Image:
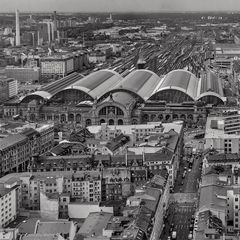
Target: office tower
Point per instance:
(45, 32)
(17, 29)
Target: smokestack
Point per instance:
(52, 31)
(38, 38)
(33, 39)
(49, 32)
(17, 29)
(55, 20)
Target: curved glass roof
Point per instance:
(141, 82)
(51, 89)
(62, 83)
(211, 83)
(181, 80)
(97, 83)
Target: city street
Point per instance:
(184, 198)
(179, 215)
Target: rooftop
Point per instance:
(53, 227)
(95, 223)
(41, 237)
(11, 140)
(216, 130)
(213, 197)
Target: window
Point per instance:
(236, 214)
(236, 207)
(236, 199)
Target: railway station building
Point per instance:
(106, 97)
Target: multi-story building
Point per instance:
(15, 153)
(80, 185)
(8, 88)
(23, 74)
(117, 182)
(222, 132)
(57, 65)
(9, 201)
(17, 150)
(46, 32)
(97, 57)
(87, 186)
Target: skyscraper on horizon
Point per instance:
(17, 29)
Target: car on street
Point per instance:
(169, 238)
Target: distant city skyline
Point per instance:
(119, 5)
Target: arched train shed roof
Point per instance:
(95, 84)
(51, 89)
(211, 86)
(140, 82)
(181, 80)
(98, 83)
(186, 82)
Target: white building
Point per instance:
(223, 133)
(9, 202)
(60, 65)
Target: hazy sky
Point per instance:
(119, 5)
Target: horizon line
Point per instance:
(125, 12)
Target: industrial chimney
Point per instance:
(17, 29)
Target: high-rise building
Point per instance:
(45, 32)
(17, 29)
(8, 88)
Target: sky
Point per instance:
(119, 5)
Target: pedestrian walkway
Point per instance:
(183, 197)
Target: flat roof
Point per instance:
(53, 227)
(216, 133)
(41, 237)
(127, 129)
(95, 223)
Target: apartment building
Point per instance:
(15, 153)
(17, 150)
(8, 88)
(9, 202)
(87, 187)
